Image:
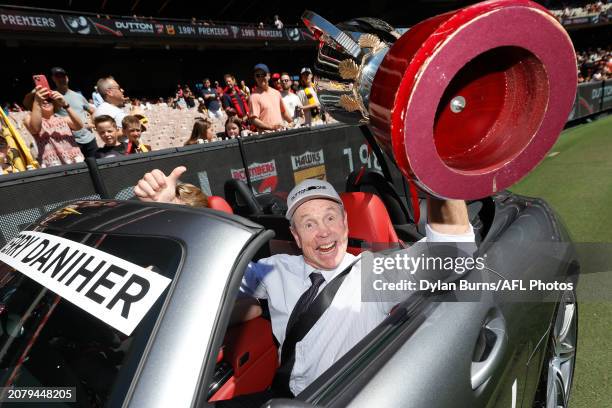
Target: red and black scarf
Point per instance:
(239, 110)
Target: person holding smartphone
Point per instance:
(52, 132)
(85, 138)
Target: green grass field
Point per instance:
(576, 179)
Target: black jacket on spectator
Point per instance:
(110, 151)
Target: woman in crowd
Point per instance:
(53, 133)
(202, 132)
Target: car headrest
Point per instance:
(368, 222)
(371, 181)
(219, 203)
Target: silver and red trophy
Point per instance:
(466, 103)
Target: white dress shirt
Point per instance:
(282, 279)
(111, 110)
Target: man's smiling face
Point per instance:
(320, 229)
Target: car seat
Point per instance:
(248, 360)
(369, 225)
(219, 203)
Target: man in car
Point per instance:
(319, 226)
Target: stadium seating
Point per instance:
(166, 127)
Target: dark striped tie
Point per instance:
(304, 301)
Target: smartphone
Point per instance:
(42, 81)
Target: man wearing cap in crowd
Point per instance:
(319, 225)
(84, 137)
(266, 107)
(275, 82)
(310, 101)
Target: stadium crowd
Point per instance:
(60, 126)
(594, 65)
(586, 10)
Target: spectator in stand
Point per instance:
(218, 89)
(52, 132)
(295, 87)
(290, 99)
(108, 132)
(234, 100)
(179, 97)
(275, 82)
(84, 137)
(232, 127)
(189, 97)
(277, 23)
(198, 88)
(266, 104)
(244, 88)
(202, 107)
(7, 157)
(308, 96)
(132, 129)
(212, 101)
(202, 132)
(113, 99)
(96, 97)
(170, 102)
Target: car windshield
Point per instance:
(46, 341)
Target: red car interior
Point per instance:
(251, 354)
(369, 223)
(219, 203)
(248, 360)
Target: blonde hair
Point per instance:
(191, 195)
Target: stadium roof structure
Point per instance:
(253, 11)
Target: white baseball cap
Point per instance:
(309, 190)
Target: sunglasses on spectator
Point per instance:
(286, 80)
(260, 75)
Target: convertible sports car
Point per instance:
(431, 351)
(129, 302)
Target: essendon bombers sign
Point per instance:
(264, 176)
(112, 289)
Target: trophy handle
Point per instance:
(331, 35)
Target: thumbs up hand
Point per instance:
(157, 187)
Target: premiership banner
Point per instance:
(18, 21)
